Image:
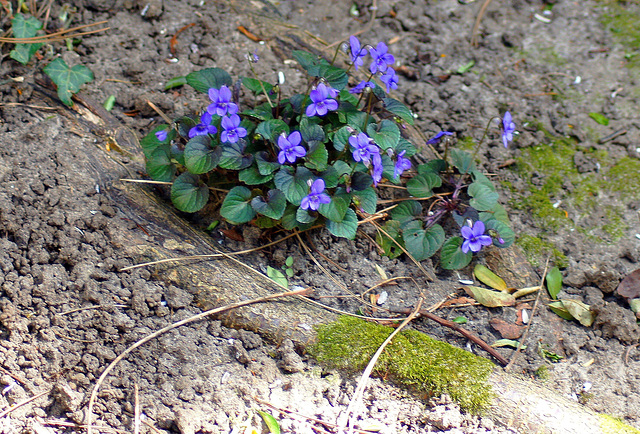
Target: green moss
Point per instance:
(624, 24)
(612, 425)
(558, 195)
(413, 360)
(536, 250)
(466, 144)
(542, 373)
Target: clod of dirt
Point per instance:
(615, 321)
(604, 278)
(290, 360)
(629, 288)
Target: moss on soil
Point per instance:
(558, 195)
(413, 359)
(624, 25)
(612, 425)
(536, 250)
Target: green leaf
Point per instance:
(68, 80)
(407, 146)
(460, 320)
(310, 131)
(159, 165)
(270, 421)
(423, 185)
(503, 230)
(175, 82)
(489, 278)
(280, 279)
(346, 228)
(294, 187)
(184, 125)
(390, 248)
(361, 181)
(421, 243)
(366, 200)
(272, 128)
(317, 157)
(341, 167)
(407, 210)
(554, 282)
(262, 112)
(273, 207)
(236, 206)
(451, 257)
(188, 194)
(266, 167)
(462, 160)
(336, 77)
(484, 198)
(308, 61)
(433, 166)
(199, 156)
(481, 178)
(25, 28)
(497, 212)
(397, 108)
(599, 118)
(467, 67)
(304, 216)
(208, 78)
(330, 176)
(251, 176)
(341, 138)
(337, 208)
(233, 157)
(386, 135)
(255, 85)
(489, 298)
(558, 308)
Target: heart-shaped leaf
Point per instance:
(23, 27)
(251, 176)
(272, 128)
(423, 185)
(386, 135)
(397, 108)
(294, 186)
(188, 194)
(452, 257)
(273, 207)
(208, 78)
(421, 243)
(484, 198)
(407, 210)
(236, 207)
(159, 165)
(337, 208)
(346, 228)
(199, 156)
(366, 200)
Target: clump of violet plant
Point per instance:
(322, 156)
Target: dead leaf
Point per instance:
(573, 309)
(459, 300)
(507, 343)
(506, 330)
(232, 234)
(489, 298)
(629, 288)
(489, 278)
(525, 291)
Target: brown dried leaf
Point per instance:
(629, 288)
(506, 330)
(489, 298)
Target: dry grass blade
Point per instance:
(108, 369)
(58, 36)
(533, 312)
(362, 384)
(476, 25)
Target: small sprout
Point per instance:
(460, 320)
(109, 103)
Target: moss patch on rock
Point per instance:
(612, 425)
(413, 359)
(536, 250)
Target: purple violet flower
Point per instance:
(381, 59)
(316, 197)
(363, 148)
(436, 139)
(221, 102)
(508, 128)
(204, 127)
(361, 86)
(402, 164)
(390, 79)
(378, 168)
(290, 148)
(474, 237)
(161, 135)
(357, 52)
(322, 101)
(232, 129)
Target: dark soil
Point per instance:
(67, 311)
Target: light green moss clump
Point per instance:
(413, 359)
(612, 425)
(536, 250)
